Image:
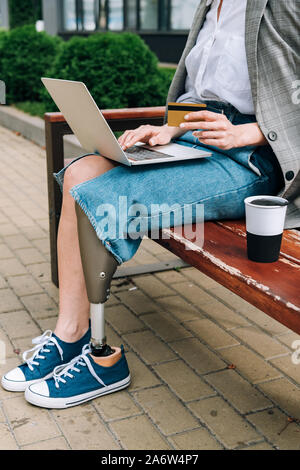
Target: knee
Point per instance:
(82, 170)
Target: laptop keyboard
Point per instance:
(138, 153)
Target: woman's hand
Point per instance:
(217, 130)
(152, 135)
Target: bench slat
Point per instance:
(111, 114)
(273, 288)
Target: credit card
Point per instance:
(177, 111)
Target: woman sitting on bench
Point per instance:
(241, 60)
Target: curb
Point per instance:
(33, 128)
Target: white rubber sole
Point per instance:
(48, 402)
(18, 386)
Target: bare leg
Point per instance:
(73, 301)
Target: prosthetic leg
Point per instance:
(99, 266)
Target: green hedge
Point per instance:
(23, 12)
(118, 68)
(25, 56)
(3, 38)
(3, 35)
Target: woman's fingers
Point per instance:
(203, 116)
(210, 125)
(130, 137)
(123, 137)
(141, 134)
(153, 135)
(134, 138)
(205, 120)
(220, 143)
(209, 135)
(160, 139)
(213, 125)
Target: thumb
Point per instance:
(160, 140)
(153, 141)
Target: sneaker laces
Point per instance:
(41, 342)
(65, 370)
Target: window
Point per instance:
(70, 15)
(181, 14)
(131, 14)
(101, 8)
(149, 14)
(115, 15)
(89, 18)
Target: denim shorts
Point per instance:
(219, 183)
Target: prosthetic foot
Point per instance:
(99, 266)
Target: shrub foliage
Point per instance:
(118, 68)
(26, 56)
(23, 12)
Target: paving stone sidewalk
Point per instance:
(209, 371)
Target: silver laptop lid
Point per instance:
(85, 118)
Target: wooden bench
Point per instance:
(273, 288)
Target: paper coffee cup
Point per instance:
(265, 216)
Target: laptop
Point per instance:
(88, 124)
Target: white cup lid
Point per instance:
(276, 200)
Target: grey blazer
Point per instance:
(273, 48)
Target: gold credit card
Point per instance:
(177, 111)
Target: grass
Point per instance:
(34, 108)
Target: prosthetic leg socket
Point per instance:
(99, 266)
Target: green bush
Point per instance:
(168, 74)
(23, 12)
(3, 35)
(25, 57)
(118, 68)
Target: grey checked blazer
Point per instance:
(273, 55)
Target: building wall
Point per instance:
(4, 14)
(163, 24)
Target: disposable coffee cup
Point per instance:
(265, 216)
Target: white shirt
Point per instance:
(217, 65)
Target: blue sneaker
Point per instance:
(49, 351)
(79, 381)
